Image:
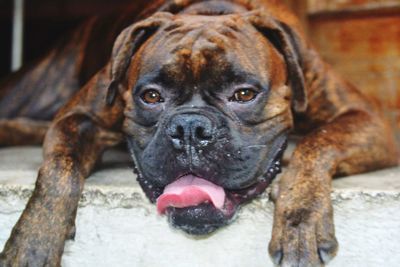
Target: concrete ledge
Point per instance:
(116, 225)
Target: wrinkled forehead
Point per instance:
(200, 47)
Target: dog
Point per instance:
(205, 93)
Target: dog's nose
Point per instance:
(190, 129)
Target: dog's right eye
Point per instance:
(151, 96)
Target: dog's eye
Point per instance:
(152, 96)
(243, 95)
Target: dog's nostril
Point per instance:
(202, 134)
(179, 132)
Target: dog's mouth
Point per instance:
(190, 191)
(198, 206)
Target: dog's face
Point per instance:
(206, 99)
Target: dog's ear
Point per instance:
(287, 43)
(127, 43)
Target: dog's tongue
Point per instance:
(190, 191)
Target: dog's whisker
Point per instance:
(256, 146)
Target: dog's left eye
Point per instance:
(152, 96)
(243, 95)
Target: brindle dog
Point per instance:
(207, 88)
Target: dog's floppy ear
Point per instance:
(127, 43)
(285, 41)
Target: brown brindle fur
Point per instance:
(343, 134)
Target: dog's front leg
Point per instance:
(303, 231)
(71, 149)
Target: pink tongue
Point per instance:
(190, 191)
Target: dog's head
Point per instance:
(208, 107)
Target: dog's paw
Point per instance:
(23, 257)
(26, 249)
(303, 234)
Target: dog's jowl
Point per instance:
(205, 94)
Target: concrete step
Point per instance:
(117, 226)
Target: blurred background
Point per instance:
(360, 38)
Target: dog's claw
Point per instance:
(276, 257)
(71, 233)
(327, 250)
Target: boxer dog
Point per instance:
(205, 93)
